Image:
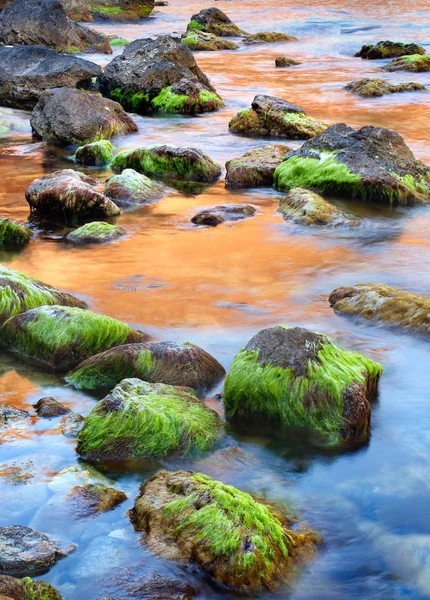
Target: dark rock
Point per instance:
(415, 63)
(255, 167)
(268, 37)
(158, 587)
(284, 61)
(96, 232)
(10, 415)
(213, 20)
(200, 40)
(49, 407)
(368, 88)
(96, 154)
(132, 188)
(71, 424)
(92, 498)
(227, 212)
(26, 589)
(388, 49)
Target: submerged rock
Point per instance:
(10, 415)
(383, 304)
(49, 407)
(67, 116)
(160, 587)
(71, 424)
(372, 164)
(268, 37)
(13, 234)
(196, 39)
(269, 115)
(132, 188)
(255, 167)
(96, 154)
(156, 362)
(242, 544)
(285, 61)
(227, 212)
(160, 74)
(92, 498)
(108, 10)
(368, 88)
(139, 420)
(169, 162)
(388, 49)
(307, 208)
(73, 476)
(415, 63)
(213, 20)
(26, 589)
(27, 71)
(68, 196)
(59, 337)
(96, 232)
(294, 377)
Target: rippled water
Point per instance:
(217, 287)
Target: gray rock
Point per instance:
(9, 415)
(256, 167)
(227, 212)
(71, 424)
(49, 407)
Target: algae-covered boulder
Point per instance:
(26, 589)
(48, 407)
(132, 188)
(65, 116)
(415, 63)
(268, 37)
(269, 115)
(96, 232)
(68, 196)
(371, 164)
(140, 420)
(213, 20)
(125, 11)
(13, 234)
(389, 49)
(371, 87)
(169, 162)
(256, 167)
(383, 304)
(60, 337)
(285, 61)
(161, 74)
(244, 545)
(96, 154)
(225, 212)
(196, 39)
(304, 207)
(296, 378)
(19, 292)
(172, 363)
(93, 498)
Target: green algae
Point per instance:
(170, 102)
(95, 154)
(194, 25)
(12, 234)
(108, 10)
(130, 99)
(119, 42)
(97, 232)
(190, 40)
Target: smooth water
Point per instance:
(217, 287)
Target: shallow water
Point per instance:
(217, 287)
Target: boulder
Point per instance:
(49, 407)
(227, 212)
(388, 49)
(93, 498)
(108, 10)
(67, 116)
(172, 363)
(200, 40)
(10, 415)
(285, 61)
(26, 589)
(27, 71)
(256, 167)
(59, 337)
(96, 154)
(19, 292)
(415, 63)
(273, 116)
(160, 587)
(44, 23)
(74, 475)
(242, 544)
(68, 196)
(296, 378)
(369, 88)
(13, 234)
(25, 552)
(304, 207)
(383, 304)
(268, 37)
(371, 164)
(96, 232)
(140, 420)
(161, 74)
(71, 424)
(213, 20)
(132, 188)
(169, 162)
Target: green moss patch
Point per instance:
(132, 188)
(96, 154)
(96, 232)
(194, 25)
(13, 234)
(170, 102)
(27, 589)
(119, 41)
(132, 100)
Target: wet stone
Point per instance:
(49, 407)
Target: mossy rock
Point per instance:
(285, 61)
(156, 362)
(132, 188)
(169, 162)
(389, 49)
(213, 20)
(226, 212)
(59, 337)
(26, 589)
(415, 63)
(19, 292)
(97, 154)
(371, 87)
(268, 37)
(383, 304)
(122, 11)
(242, 544)
(96, 232)
(297, 378)
(93, 498)
(256, 167)
(13, 234)
(200, 40)
(140, 420)
(186, 98)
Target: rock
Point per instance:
(213, 20)
(169, 162)
(26, 589)
(160, 74)
(19, 292)
(273, 116)
(73, 476)
(27, 71)
(90, 499)
(71, 424)
(268, 37)
(285, 61)
(200, 40)
(13, 234)
(189, 517)
(368, 88)
(297, 378)
(140, 420)
(44, 23)
(68, 196)
(157, 362)
(132, 188)
(227, 212)
(96, 232)
(108, 10)
(49, 407)
(59, 337)
(307, 208)
(415, 63)
(255, 167)
(159, 587)
(383, 304)
(10, 415)
(96, 154)
(25, 552)
(67, 116)
(371, 164)
(388, 49)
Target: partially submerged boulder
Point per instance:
(59, 337)
(27, 71)
(93, 498)
(196, 39)
(389, 49)
(160, 587)
(125, 11)
(269, 115)
(10, 414)
(371, 87)
(13, 234)
(50, 407)
(383, 304)
(172, 363)
(415, 63)
(226, 212)
(132, 188)
(285, 61)
(26, 589)
(268, 37)
(140, 420)
(242, 544)
(256, 167)
(372, 164)
(304, 207)
(67, 116)
(71, 424)
(213, 20)
(96, 154)
(97, 232)
(296, 378)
